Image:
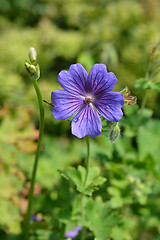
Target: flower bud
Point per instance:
(30, 68)
(27, 65)
(114, 132)
(32, 55)
(33, 71)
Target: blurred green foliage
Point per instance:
(120, 34)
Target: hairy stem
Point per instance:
(87, 160)
(85, 183)
(41, 127)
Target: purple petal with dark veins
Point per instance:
(66, 104)
(86, 121)
(74, 80)
(109, 105)
(99, 80)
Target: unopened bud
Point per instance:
(27, 65)
(32, 55)
(30, 68)
(33, 71)
(114, 132)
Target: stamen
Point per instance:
(88, 100)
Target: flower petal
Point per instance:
(66, 104)
(99, 80)
(86, 121)
(74, 80)
(109, 106)
(73, 233)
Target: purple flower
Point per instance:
(88, 96)
(73, 233)
(35, 218)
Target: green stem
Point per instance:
(85, 182)
(83, 234)
(41, 127)
(87, 160)
(144, 101)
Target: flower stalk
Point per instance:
(34, 75)
(87, 160)
(85, 182)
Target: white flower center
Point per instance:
(88, 99)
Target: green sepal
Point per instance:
(32, 70)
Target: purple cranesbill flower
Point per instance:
(73, 233)
(88, 96)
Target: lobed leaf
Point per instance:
(77, 177)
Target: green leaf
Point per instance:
(99, 218)
(120, 234)
(142, 83)
(155, 86)
(116, 199)
(44, 234)
(77, 177)
(149, 142)
(135, 119)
